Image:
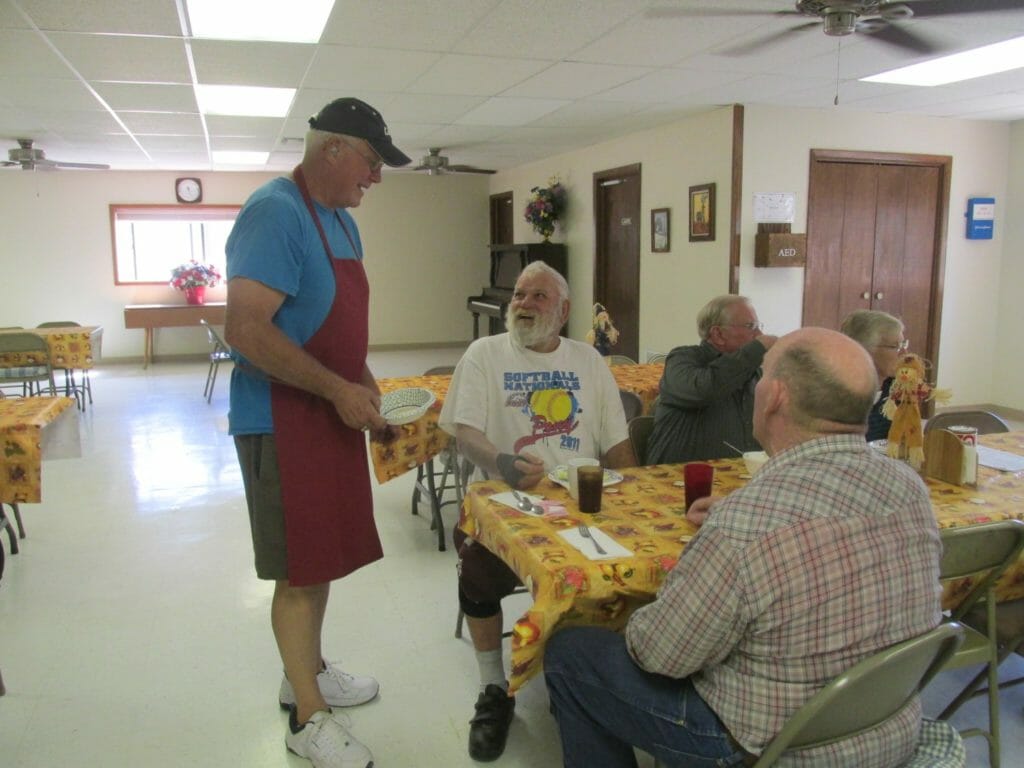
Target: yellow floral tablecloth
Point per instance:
(21, 423)
(423, 439)
(645, 514)
(71, 346)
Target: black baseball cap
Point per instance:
(357, 118)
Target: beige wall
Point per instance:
(426, 237)
(981, 285)
(425, 240)
(1005, 341)
(672, 159)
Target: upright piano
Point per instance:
(507, 261)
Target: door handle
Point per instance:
(879, 295)
(866, 295)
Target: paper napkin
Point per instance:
(586, 546)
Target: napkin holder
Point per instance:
(950, 460)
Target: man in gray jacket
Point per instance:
(707, 390)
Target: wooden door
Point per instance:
(617, 257)
(501, 219)
(875, 240)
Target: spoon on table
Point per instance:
(730, 445)
(524, 504)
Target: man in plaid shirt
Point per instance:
(829, 555)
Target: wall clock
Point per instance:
(188, 190)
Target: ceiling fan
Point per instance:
(437, 164)
(880, 20)
(31, 159)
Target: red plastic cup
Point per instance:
(698, 478)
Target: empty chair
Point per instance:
(219, 353)
(656, 357)
(71, 387)
(25, 360)
(985, 422)
(639, 432)
(980, 554)
(620, 360)
(631, 404)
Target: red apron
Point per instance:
(325, 477)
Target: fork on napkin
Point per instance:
(613, 550)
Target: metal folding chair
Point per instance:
(220, 353)
(640, 429)
(975, 557)
(985, 422)
(31, 368)
(631, 404)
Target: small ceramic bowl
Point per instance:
(754, 461)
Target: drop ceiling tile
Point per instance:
(240, 125)
(37, 92)
(25, 53)
(476, 75)
(157, 123)
(434, 108)
(507, 111)
(574, 80)
(231, 62)
(544, 30)
(177, 143)
(125, 59)
(148, 97)
(340, 68)
(124, 16)
(425, 26)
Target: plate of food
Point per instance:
(560, 475)
(405, 405)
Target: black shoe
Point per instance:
(488, 729)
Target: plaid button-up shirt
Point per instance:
(830, 554)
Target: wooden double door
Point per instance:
(875, 240)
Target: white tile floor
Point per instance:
(133, 632)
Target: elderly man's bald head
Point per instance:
(830, 378)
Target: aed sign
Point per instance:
(788, 253)
(981, 214)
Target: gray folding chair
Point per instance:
(433, 483)
(868, 694)
(976, 556)
(620, 360)
(631, 404)
(656, 357)
(985, 422)
(220, 352)
(33, 374)
(639, 431)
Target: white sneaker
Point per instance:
(339, 689)
(326, 742)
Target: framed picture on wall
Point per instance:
(660, 234)
(702, 213)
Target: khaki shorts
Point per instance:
(257, 456)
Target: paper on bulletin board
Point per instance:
(774, 207)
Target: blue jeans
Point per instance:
(605, 704)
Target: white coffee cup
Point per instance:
(574, 478)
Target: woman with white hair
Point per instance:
(881, 335)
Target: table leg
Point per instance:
(147, 349)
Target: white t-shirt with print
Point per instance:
(557, 405)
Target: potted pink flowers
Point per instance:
(193, 278)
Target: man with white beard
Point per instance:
(520, 404)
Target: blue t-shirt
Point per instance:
(275, 242)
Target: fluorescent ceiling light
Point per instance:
(987, 60)
(294, 21)
(231, 157)
(248, 100)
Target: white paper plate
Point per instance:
(879, 445)
(405, 405)
(560, 475)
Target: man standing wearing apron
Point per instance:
(301, 398)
